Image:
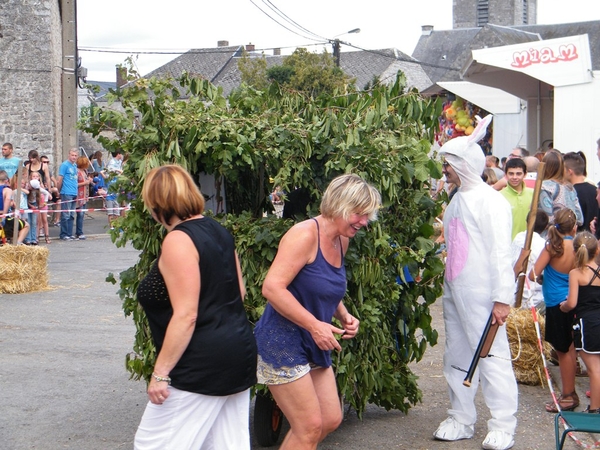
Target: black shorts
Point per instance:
(586, 334)
(9, 226)
(559, 329)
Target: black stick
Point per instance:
(483, 348)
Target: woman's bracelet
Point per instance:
(159, 379)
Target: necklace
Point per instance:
(334, 241)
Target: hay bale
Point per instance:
(23, 268)
(527, 361)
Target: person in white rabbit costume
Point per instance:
(479, 280)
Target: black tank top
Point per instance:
(588, 299)
(221, 356)
(41, 172)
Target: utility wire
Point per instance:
(291, 21)
(228, 51)
(413, 61)
(280, 24)
(182, 52)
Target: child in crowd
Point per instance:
(532, 292)
(83, 190)
(16, 206)
(34, 202)
(584, 297)
(556, 261)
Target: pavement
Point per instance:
(63, 383)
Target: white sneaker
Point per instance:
(498, 440)
(451, 430)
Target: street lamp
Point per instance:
(336, 45)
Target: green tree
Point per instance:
(253, 70)
(384, 135)
(311, 73)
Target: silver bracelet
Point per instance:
(159, 379)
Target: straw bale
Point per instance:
(23, 268)
(527, 360)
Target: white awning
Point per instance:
(493, 100)
(533, 68)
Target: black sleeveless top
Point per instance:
(41, 172)
(221, 356)
(588, 299)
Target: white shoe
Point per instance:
(498, 440)
(451, 430)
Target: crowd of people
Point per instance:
(65, 197)
(208, 356)
(480, 276)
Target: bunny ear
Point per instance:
(479, 131)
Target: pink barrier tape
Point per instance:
(38, 211)
(549, 380)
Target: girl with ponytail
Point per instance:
(556, 261)
(584, 299)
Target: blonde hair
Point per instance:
(349, 194)
(564, 221)
(585, 245)
(491, 176)
(170, 191)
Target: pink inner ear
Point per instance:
(457, 241)
(480, 130)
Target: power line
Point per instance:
(280, 24)
(182, 52)
(291, 21)
(413, 61)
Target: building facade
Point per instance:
(477, 13)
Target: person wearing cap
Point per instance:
(478, 282)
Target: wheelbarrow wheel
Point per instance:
(268, 419)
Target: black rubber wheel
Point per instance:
(268, 419)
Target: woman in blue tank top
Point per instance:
(304, 288)
(557, 260)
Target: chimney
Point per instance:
(121, 76)
(276, 52)
(426, 30)
(222, 43)
(250, 47)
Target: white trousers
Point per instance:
(498, 383)
(189, 421)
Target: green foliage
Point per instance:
(311, 73)
(253, 70)
(298, 141)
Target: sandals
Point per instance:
(566, 402)
(47, 240)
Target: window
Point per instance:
(483, 12)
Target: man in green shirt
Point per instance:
(518, 195)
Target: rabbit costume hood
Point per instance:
(466, 157)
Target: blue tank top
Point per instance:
(319, 287)
(555, 286)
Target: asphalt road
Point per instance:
(63, 383)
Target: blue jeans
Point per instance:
(68, 216)
(79, 216)
(32, 234)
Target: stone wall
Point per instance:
(30, 61)
(500, 12)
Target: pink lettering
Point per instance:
(567, 52)
(521, 59)
(546, 55)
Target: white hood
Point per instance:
(466, 157)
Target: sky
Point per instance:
(151, 26)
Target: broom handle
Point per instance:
(529, 235)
